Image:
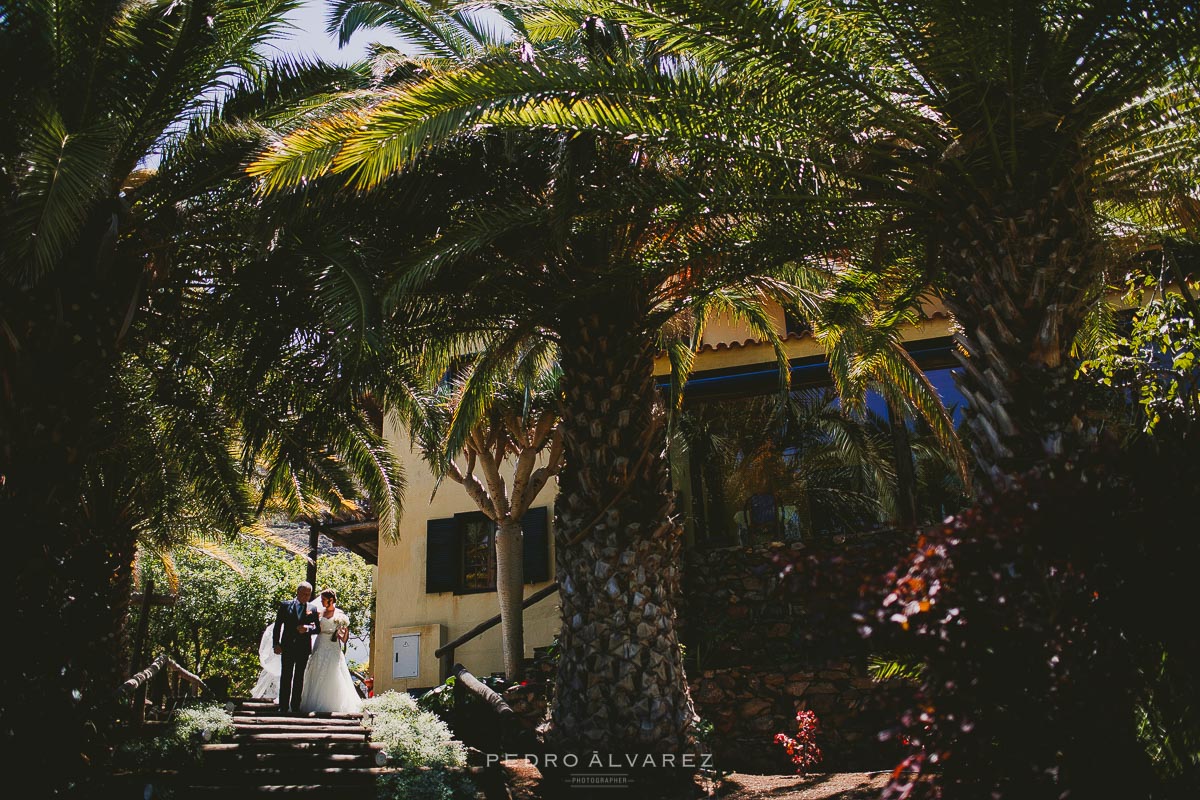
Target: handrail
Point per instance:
(140, 679)
(472, 684)
(139, 683)
(511, 726)
(540, 594)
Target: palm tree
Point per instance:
(1009, 141)
(550, 257)
(1012, 146)
(611, 250)
(514, 417)
(1008, 136)
(173, 350)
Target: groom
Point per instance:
(295, 625)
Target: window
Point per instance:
(757, 471)
(461, 552)
(478, 535)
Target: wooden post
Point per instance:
(314, 536)
(139, 653)
(139, 641)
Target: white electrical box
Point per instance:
(406, 655)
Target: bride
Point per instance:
(328, 687)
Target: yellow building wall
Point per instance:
(404, 608)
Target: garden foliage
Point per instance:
(179, 744)
(209, 722)
(425, 784)
(412, 737)
(802, 749)
(420, 744)
(1158, 362)
(1045, 621)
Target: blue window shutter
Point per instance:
(536, 528)
(442, 558)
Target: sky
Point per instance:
(308, 38)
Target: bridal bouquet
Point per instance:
(341, 622)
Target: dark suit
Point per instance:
(296, 649)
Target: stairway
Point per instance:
(272, 755)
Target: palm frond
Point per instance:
(217, 553)
(436, 28)
(64, 176)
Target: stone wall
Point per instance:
(747, 706)
(769, 631)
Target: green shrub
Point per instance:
(420, 744)
(425, 784)
(440, 699)
(179, 743)
(1045, 621)
(152, 753)
(411, 737)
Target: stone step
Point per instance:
(247, 758)
(275, 776)
(304, 736)
(357, 745)
(277, 790)
(314, 729)
(255, 719)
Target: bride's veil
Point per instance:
(272, 664)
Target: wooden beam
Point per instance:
(513, 730)
(345, 527)
(473, 685)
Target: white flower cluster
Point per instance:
(413, 738)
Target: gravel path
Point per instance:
(828, 786)
(523, 780)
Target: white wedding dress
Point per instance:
(328, 687)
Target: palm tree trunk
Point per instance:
(510, 584)
(1016, 294)
(71, 593)
(620, 685)
(71, 549)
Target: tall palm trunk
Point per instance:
(72, 553)
(1017, 277)
(620, 685)
(510, 583)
